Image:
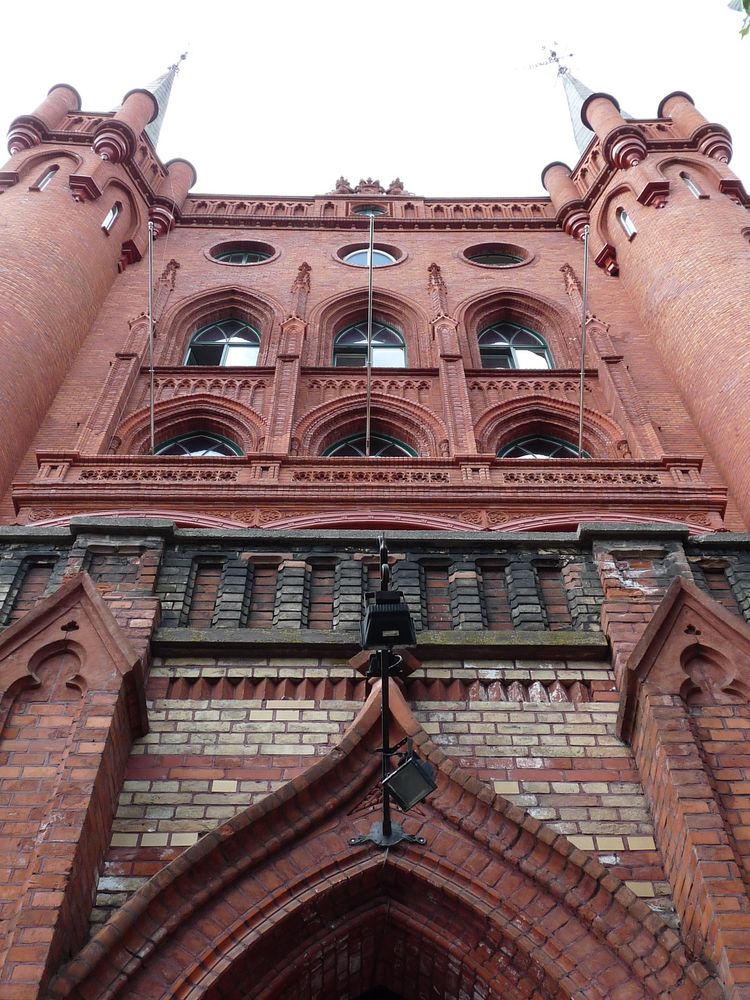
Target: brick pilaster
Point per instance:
(73, 699)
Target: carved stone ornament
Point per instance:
(693, 648)
(369, 186)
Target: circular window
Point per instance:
(200, 445)
(358, 255)
(368, 210)
(496, 255)
(242, 252)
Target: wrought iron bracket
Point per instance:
(376, 837)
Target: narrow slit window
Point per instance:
(111, 217)
(45, 178)
(691, 185)
(627, 223)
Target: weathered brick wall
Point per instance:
(237, 707)
(540, 733)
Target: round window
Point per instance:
(358, 255)
(368, 210)
(496, 255)
(242, 252)
(361, 258)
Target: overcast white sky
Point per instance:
(282, 97)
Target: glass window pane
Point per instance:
(359, 257)
(348, 359)
(388, 357)
(540, 447)
(496, 259)
(492, 338)
(355, 335)
(528, 359)
(246, 355)
(380, 447)
(208, 355)
(211, 335)
(384, 335)
(198, 446)
(525, 338)
(496, 360)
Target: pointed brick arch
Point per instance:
(200, 412)
(541, 314)
(507, 900)
(538, 414)
(336, 313)
(402, 419)
(178, 324)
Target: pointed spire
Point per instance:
(161, 88)
(576, 93)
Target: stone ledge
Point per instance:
(549, 645)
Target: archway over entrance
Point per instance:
(284, 902)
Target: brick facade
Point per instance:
(186, 728)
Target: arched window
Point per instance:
(350, 347)
(508, 345)
(538, 446)
(381, 446)
(111, 217)
(230, 342)
(627, 223)
(691, 185)
(46, 177)
(199, 445)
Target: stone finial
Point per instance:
(300, 291)
(369, 186)
(396, 187)
(438, 291)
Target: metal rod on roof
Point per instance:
(369, 332)
(151, 334)
(584, 311)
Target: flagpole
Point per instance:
(369, 332)
(584, 311)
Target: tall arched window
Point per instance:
(230, 343)
(508, 345)
(46, 177)
(350, 347)
(691, 185)
(538, 446)
(200, 445)
(627, 223)
(111, 217)
(381, 446)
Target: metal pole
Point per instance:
(385, 727)
(369, 333)
(584, 310)
(151, 332)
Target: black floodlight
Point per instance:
(411, 782)
(387, 622)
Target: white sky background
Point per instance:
(282, 97)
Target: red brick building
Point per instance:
(187, 731)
